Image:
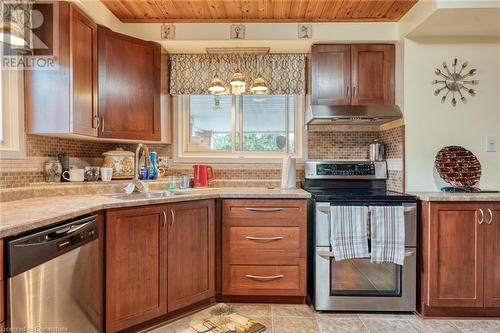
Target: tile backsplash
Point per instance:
(322, 144)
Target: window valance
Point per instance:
(190, 74)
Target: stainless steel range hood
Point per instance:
(352, 114)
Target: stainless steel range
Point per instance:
(357, 284)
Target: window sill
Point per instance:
(233, 159)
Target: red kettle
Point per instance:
(202, 175)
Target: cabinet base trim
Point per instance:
(172, 316)
(263, 299)
(448, 312)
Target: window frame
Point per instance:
(12, 113)
(181, 106)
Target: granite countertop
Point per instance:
(444, 196)
(23, 215)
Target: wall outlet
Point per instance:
(491, 144)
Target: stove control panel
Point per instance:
(345, 170)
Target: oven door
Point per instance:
(359, 285)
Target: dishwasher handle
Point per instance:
(31, 250)
(65, 231)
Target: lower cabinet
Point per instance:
(265, 248)
(136, 265)
(191, 253)
(460, 271)
(492, 259)
(159, 258)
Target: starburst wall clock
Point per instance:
(455, 83)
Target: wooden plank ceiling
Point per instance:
(259, 10)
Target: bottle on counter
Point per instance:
(153, 170)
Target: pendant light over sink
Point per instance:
(216, 86)
(238, 84)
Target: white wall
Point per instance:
(431, 125)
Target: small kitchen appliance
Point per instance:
(203, 175)
(377, 151)
(357, 284)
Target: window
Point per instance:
(227, 127)
(11, 114)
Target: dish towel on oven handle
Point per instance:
(348, 232)
(387, 234)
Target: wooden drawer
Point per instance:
(271, 280)
(253, 243)
(259, 210)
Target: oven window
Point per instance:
(359, 277)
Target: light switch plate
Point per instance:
(491, 144)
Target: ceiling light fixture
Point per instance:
(11, 33)
(216, 86)
(259, 86)
(238, 83)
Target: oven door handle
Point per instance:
(328, 254)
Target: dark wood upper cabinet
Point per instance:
(356, 74)
(136, 266)
(129, 87)
(63, 99)
(331, 77)
(372, 74)
(492, 257)
(191, 253)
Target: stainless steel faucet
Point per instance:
(139, 186)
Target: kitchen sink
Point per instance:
(148, 195)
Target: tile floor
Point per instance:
(302, 319)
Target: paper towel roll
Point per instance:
(288, 173)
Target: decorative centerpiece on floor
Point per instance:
(223, 319)
(458, 167)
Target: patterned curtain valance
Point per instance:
(190, 74)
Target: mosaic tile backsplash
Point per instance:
(321, 145)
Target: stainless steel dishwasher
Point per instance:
(54, 279)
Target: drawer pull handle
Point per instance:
(264, 238)
(261, 277)
(256, 209)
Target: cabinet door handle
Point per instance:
(264, 238)
(347, 92)
(172, 215)
(164, 223)
(491, 216)
(102, 124)
(256, 209)
(481, 216)
(97, 122)
(265, 277)
(354, 91)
